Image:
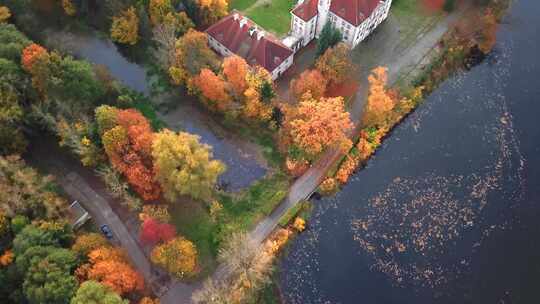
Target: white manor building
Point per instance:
(236, 34)
(355, 19)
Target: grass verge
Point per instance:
(241, 4)
(241, 211)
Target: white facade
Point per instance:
(282, 67)
(352, 35)
(304, 30)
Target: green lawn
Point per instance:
(241, 211)
(273, 16)
(240, 4)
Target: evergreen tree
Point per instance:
(330, 36)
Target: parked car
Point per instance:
(107, 232)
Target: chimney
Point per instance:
(260, 34)
(235, 16)
(243, 21)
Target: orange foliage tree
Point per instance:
(318, 123)
(310, 80)
(109, 266)
(214, 89)
(31, 54)
(379, 103)
(235, 69)
(129, 148)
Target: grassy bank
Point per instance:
(240, 212)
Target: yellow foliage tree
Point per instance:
(125, 27)
(379, 103)
(158, 212)
(158, 9)
(69, 7)
(254, 108)
(86, 243)
(184, 166)
(178, 256)
(212, 10)
(4, 14)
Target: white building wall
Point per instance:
(282, 67)
(352, 35)
(304, 30)
(323, 10)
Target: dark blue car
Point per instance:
(106, 231)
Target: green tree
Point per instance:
(92, 292)
(329, 37)
(46, 234)
(49, 280)
(12, 42)
(184, 166)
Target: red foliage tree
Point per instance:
(153, 232)
(129, 147)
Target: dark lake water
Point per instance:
(447, 211)
(243, 159)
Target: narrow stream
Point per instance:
(244, 160)
(447, 211)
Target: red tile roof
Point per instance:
(267, 51)
(306, 10)
(353, 11)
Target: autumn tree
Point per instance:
(158, 10)
(214, 89)
(109, 266)
(38, 201)
(248, 262)
(153, 232)
(379, 103)
(125, 27)
(12, 139)
(211, 11)
(85, 243)
(178, 256)
(309, 81)
(318, 123)
(258, 95)
(96, 293)
(69, 8)
(335, 64)
(184, 166)
(106, 118)
(128, 146)
(4, 14)
(31, 54)
(235, 69)
(191, 55)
